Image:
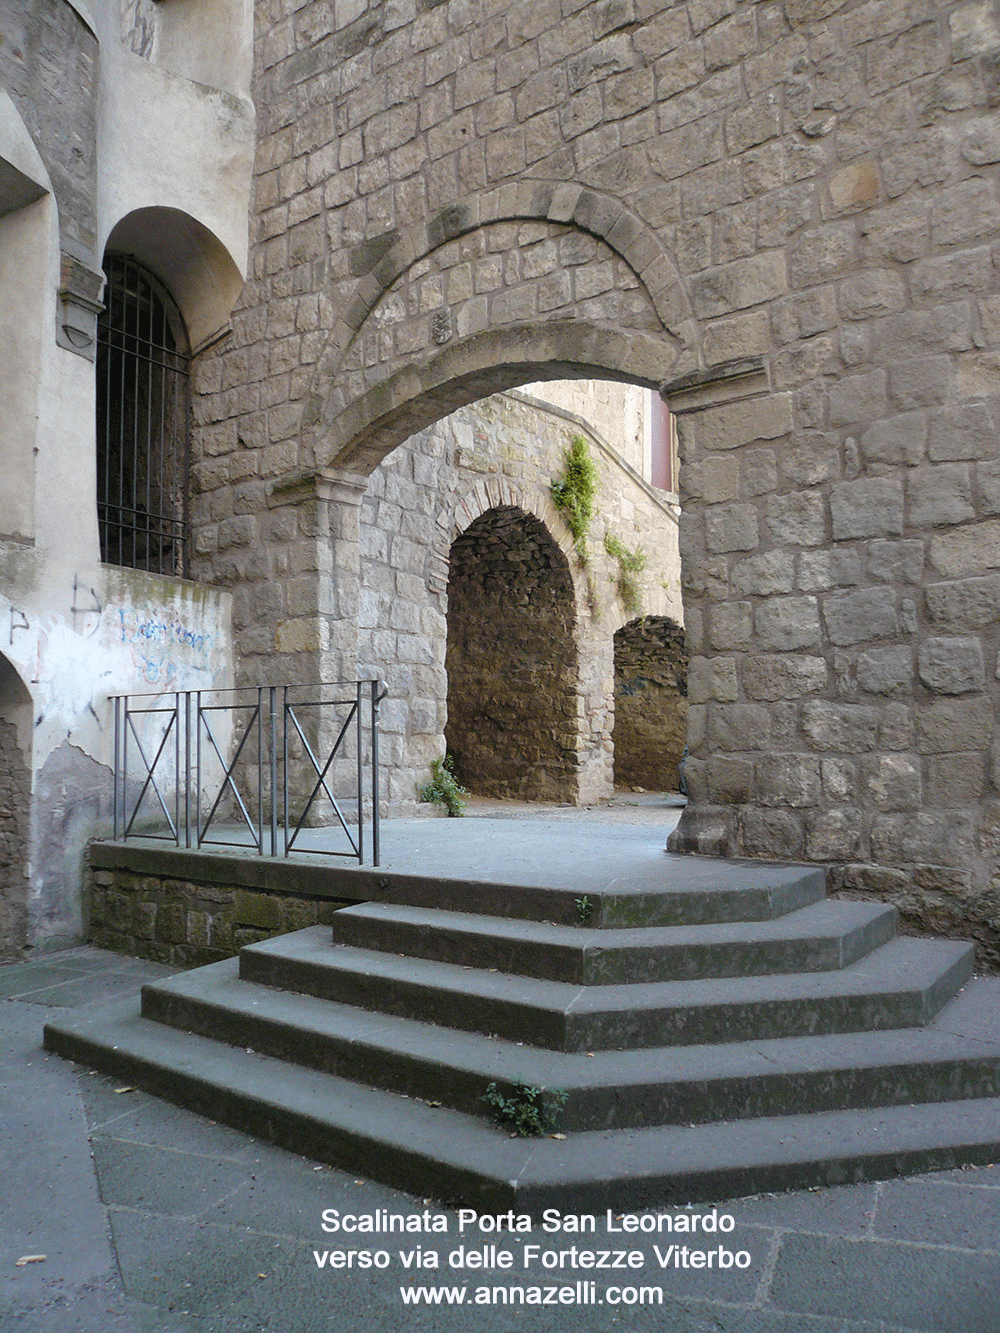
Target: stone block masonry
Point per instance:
(189, 922)
(786, 213)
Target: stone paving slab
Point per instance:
(170, 1199)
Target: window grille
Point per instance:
(142, 423)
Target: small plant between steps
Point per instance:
(527, 1112)
(444, 788)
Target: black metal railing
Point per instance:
(264, 768)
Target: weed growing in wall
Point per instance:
(630, 563)
(573, 495)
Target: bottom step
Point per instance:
(407, 1143)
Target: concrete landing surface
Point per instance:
(154, 1220)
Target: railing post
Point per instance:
(115, 784)
(284, 769)
(376, 701)
(197, 767)
(125, 726)
(272, 694)
(359, 725)
(187, 768)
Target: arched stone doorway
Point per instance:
(15, 810)
(650, 703)
(512, 660)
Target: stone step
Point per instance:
(824, 936)
(420, 1148)
(956, 1056)
(683, 890)
(901, 984)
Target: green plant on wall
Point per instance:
(630, 563)
(573, 494)
(444, 788)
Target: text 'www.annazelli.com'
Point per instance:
(566, 1293)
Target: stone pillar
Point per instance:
(318, 639)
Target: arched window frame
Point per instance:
(143, 415)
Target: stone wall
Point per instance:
(650, 703)
(511, 661)
(499, 453)
(188, 923)
(15, 812)
(804, 195)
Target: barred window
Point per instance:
(142, 423)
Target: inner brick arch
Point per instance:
(512, 660)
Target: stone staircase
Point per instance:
(732, 1033)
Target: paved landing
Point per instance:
(154, 1220)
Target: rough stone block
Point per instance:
(712, 678)
(899, 440)
(764, 575)
(731, 528)
(728, 781)
(788, 779)
(776, 834)
(895, 730)
(821, 570)
(951, 665)
(856, 400)
(788, 676)
(964, 604)
(939, 495)
(846, 728)
(730, 626)
(256, 910)
(940, 839)
(891, 782)
(948, 725)
(835, 835)
(786, 623)
(797, 520)
(886, 670)
(961, 432)
(967, 550)
(895, 562)
(956, 781)
(859, 617)
(868, 507)
(735, 424)
(739, 285)
(171, 927)
(840, 781)
(739, 727)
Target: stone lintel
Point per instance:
(726, 383)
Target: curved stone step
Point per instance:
(823, 936)
(956, 1056)
(901, 984)
(427, 1149)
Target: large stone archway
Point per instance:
(807, 199)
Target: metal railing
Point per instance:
(250, 768)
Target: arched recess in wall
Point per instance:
(15, 809)
(512, 660)
(191, 263)
(650, 728)
(26, 316)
